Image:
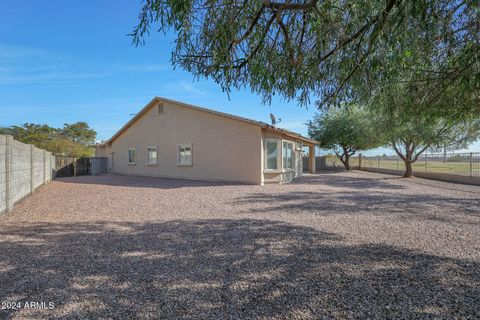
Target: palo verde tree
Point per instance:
(324, 48)
(345, 131)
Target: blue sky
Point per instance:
(62, 62)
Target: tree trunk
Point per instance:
(408, 170)
(346, 163)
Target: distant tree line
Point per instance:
(74, 140)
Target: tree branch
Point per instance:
(399, 153)
(249, 30)
(290, 6)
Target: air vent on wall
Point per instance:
(161, 108)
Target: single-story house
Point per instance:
(173, 139)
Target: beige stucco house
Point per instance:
(172, 139)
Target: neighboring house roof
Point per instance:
(156, 100)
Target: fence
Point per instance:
(462, 164)
(23, 168)
(327, 162)
(452, 167)
(69, 166)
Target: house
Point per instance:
(173, 139)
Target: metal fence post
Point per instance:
(378, 161)
(426, 161)
(360, 161)
(471, 164)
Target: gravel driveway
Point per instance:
(333, 246)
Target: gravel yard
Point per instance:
(332, 246)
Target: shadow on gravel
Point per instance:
(142, 181)
(330, 179)
(407, 206)
(225, 269)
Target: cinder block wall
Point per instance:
(23, 168)
(3, 173)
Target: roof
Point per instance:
(156, 100)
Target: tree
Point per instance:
(345, 131)
(36, 134)
(410, 130)
(337, 50)
(73, 140)
(64, 146)
(79, 132)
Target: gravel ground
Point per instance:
(329, 246)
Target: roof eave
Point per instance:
(291, 134)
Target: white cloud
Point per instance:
(33, 65)
(141, 68)
(183, 88)
(15, 52)
(47, 77)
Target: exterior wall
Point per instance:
(281, 175)
(18, 165)
(38, 165)
(23, 168)
(222, 148)
(3, 173)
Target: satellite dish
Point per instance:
(274, 120)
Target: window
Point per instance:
(271, 154)
(161, 109)
(184, 154)
(151, 158)
(287, 155)
(132, 156)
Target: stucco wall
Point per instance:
(222, 148)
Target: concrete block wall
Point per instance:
(53, 169)
(3, 173)
(38, 167)
(23, 168)
(18, 167)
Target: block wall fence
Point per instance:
(23, 168)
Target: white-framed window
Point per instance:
(287, 154)
(184, 154)
(151, 156)
(272, 151)
(132, 155)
